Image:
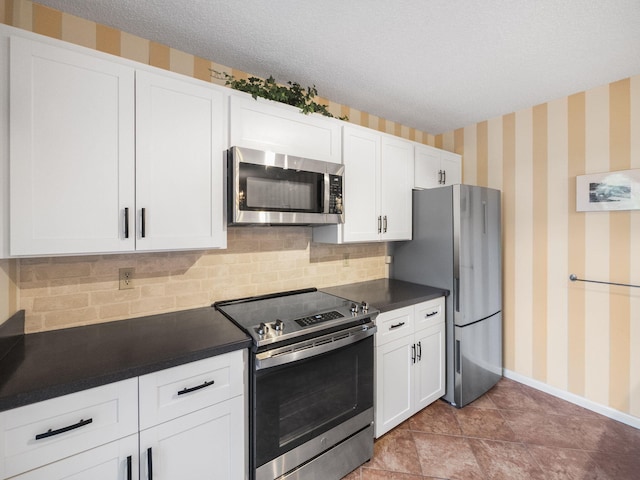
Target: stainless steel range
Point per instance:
(311, 383)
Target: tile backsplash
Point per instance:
(60, 292)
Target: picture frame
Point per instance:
(619, 190)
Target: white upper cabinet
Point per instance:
(266, 125)
(71, 151)
(104, 156)
(179, 164)
(377, 189)
(435, 167)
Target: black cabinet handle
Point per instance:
(440, 177)
(143, 226)
(431, 314)
(444, 177)
(51, 433)
(419, 351)
(193, 389)
(129, 473)
(379, 224)
(397, 325)
(149, 464)
(413, 353)
(126, 222)
(384, 221)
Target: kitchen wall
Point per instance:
(581, 338)
(68, 291)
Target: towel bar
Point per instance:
(573, 278)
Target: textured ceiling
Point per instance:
(434, 65)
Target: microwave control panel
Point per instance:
(335, 194)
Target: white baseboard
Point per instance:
(573, 398)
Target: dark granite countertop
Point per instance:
(387, 294)
(49, 364)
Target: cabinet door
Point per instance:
(429, 375)
(396, 181)
(394, 384)
(451, 164)
(203, 445)
(179, 164)
(361, 181)
(427, 167)
(266, 125)
(114, 461)
(71, 151)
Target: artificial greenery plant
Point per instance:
(293, 94)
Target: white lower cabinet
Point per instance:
(192, 420)
(409, 358)
(114, 461)
(207, 444)
(191, 425)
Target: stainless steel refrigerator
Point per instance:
(457, 245)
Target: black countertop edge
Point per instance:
(11, 332)
(50, 364)
(387, 294)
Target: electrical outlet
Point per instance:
(126, 278)
(388, 259)
(345, 260)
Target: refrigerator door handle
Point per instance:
(485, 219)
(456, 292)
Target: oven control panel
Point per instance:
(319, 318)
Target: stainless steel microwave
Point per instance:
(271, 188)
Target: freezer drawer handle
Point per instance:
(51, 433)
(457, 356)
(431, 314)
(397, 325)
(193, 389)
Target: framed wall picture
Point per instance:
(608, 191)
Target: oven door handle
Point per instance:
(317, 346)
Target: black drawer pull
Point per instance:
(193, 389)
(51, 433)
(397, 325)
(431, 314)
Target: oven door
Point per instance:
(307, 406)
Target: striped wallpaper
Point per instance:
(580, 338)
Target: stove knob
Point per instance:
(278, 326)
(354, 308)
(364, 306)
(262, 329)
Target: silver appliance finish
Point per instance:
(457, 246)
(237, 216)
(250, 313)
(334, 462)
(340, 450)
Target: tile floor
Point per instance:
(512, 432)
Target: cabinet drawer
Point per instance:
(177, 391)
(44, 432)
(429, 313)
(394, 324)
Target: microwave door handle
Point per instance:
(327, 193)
